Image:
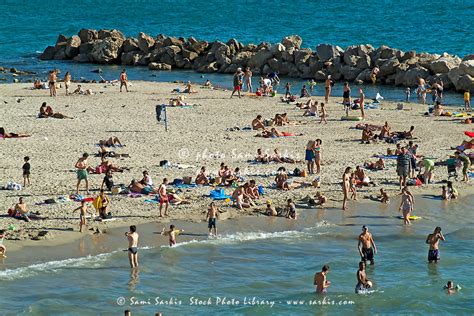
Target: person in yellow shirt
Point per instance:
(467, 100)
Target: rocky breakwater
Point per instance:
(288, 58)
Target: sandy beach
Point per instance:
(197, 136)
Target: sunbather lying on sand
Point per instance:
(274, 133)
(103, 152)
(467, 144)
(282, 182)
(137, 187)
(264, 158)
(378, 165)
(46, 111)
(4, 134)
(111, 142)
(369, 126)
(277, 157)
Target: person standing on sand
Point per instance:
(123, 80)
(433, 240)
(163, 197)
(467, 100)
(248, 79)
(362, 282)
(367, 248)
(67, 82)
(318, 155)
(361, 102)
(309, 156)
(212, 215)
(26, 171)
(132, 237)
(346, 98)
(82, 166)
(403, 167)
(323, 114)
(406, 205)
(53, 77)
(346, 186)
(466, 164)
(320, 280)
(329, 84)
(237, 83)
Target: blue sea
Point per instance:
(261, 266)
(436, 27)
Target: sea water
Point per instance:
(264, 266)
(436, 27)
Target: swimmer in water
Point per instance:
(172, 233)
(366, 246)
(132, 237)
(433, 240)
(320, 280)
(451, 288)
(362, 282)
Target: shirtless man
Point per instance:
(82, 215)
(362, 282)
(433, 240)
(328, 84)
(346, 185)
(82, 166)
(239, 200)
(20, 208)
(123, 80)
(366, 242)
(53, 77)
(323, 114)
(212, 215)
(257, 123)
(386, 131)
(320, 280)
(132, 237)
(163, 197)
(361, 102)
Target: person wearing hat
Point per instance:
(366, 245)
(271, 210)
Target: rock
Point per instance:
(467, 67)
(302, 56)
(82, 58)
(173, 41)
(86, 48)
(130, 45)
(387, 52)
(364, 76)
(363, 62)
(232, 68)
(411, 76)
(106, 51)
(15, 80)
(72, 46)
(242, 58)
(212, 67)
(145, 42)
(159, 66)
(259, 59)
(389, 67)
(320, 75)
(465, 83)
(197, 46)
(277, 50)
(273, 65)
(327, 51)
(115, 34)
(424, 59)
(350, 73)
(130, 58)
(60, 53)
(62, 39)
(87, 35)
(144, 59)
(287, 68)
(189, 54)
(97, 71)
(468, 57)
(408, 55)
(234, 46)
(289, 55)
(292, 41)
(172, 50)
(222, 55)
(454, 75)
(48, 53)
(351, 60)
(443, 65)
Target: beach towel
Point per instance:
(218, 194)
(385, 156)
(470, 134)
(184, 186)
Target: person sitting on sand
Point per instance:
(291, 210)
(281, 179)
(318, 200)
(386, 131)
(136, 187)
(362, 177)
(449, 192)
(239, 198)
(378, 165)
(384, 196)
(202, 178)
(37, 84)
(46, 111)
(107, 165)
(188, 88)
(281, 119)
(208, 84)
(258, 124)
(111, 142)
(4, 134)
(108, 181)
(277, 157)
(264, 158)
(313, 110)
(252, 190)
(406, 134)
(146, 180)
(270, 209)
(367, 135)
(305, 105)
(304, 92)
(21, 210)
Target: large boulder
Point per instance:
(130, 58)
(222, 55)
(465, 83)
(363, 62)
(364, 76)
(386, 52)
(115, 34)
(159, 66)
(411, 76)
(190, 55)
(350, 73)
(292, 41)
(106, 51)
(86, 48)
(145, 42)
(260, 58)
(197, 46)
(173, 41)
(242, 58)
(61, 40)
(327, 51)
(443, 64)
(289, 55)
(467, 67)
(278, 50)
(302, 56)
(454, 75)
(48, 53)
(60, 53)
(389, 67)
(234, 46)
(82, 58)
(320, 75)
(130, 45)
(212, 67)
(468, 57)
(425, 59)
(72, 46)
(88, 35)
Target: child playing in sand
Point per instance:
(270, 210)
(26, 171)
(172, 233)
(291, 210)
(384, 196)
(323, 114)
(82, 216)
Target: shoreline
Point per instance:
(59, 178)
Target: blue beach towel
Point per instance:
(218, 194)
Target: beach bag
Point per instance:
(297, 172)
(50, 201)
(177, 182)
(260, 190)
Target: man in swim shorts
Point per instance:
(212, 215)
(237, 82)
(163, 197)
(433, 240)
(366, 242)
(132, 246)
(320, 280)
(82, 166)
(123, 80)
(403, 167)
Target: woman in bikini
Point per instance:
(317, 155)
